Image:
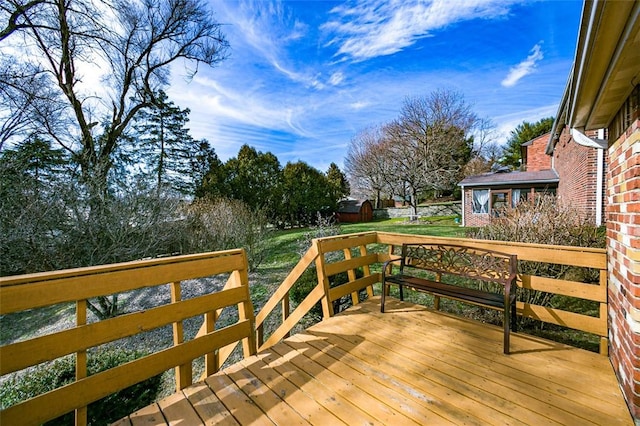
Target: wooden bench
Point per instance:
(440, 261)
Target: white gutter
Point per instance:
(578, 76)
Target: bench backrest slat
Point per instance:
(481, 264)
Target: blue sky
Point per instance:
(303, 77)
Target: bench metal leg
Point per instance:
(385, 289)
(401, 292)
(508, 322)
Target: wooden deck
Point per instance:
(408, 366)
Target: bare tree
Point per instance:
(431, 142)
(51, 49)
(132, 43)
(367, 164)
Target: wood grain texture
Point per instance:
(411, 365)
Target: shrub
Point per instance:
(545, 221)
(60, 372)
(224, 224)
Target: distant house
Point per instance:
(484, 196)
(568, 164)
(353, 211)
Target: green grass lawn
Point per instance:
(441, 226)
(286, 246)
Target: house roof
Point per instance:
(530, 142)
(350, 206)
(512, 178)
(605, 68)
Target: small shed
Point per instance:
(353, 211)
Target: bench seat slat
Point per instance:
(492, 300)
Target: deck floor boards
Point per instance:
(408, 366)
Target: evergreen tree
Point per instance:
(254, 177)
(207, 170)
(165, 146)
(32, 210)
(338, 184)
(305, 194)
(524, 132)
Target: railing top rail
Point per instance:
(469, 241)
(563, 255)
(45, 289)
(113, 267)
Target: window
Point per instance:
(499, 201)
(480, 201)
(519, 195)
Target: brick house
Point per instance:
(602, 98)
(581, 165)
(483, 196)
(534, 156)
(564, 155)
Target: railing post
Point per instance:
(286, 308)
(327, 304)
(604, 341)
(245, 309)
(351, 274)
(366, 269)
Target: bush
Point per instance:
(545, 221)
(224, 224)
(47, 377)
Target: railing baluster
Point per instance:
(351, 274)
(212, 359)
(183, 372)
(285, 311)
(81, 361)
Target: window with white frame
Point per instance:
(480, 201)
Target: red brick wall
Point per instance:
(470, 218)
(577, 170)
(536, 158)
(623, 241)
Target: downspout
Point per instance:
(599, 180)
(463, 206)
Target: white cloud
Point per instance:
(377, 28)
(359, 105)
(507, 122)
(336, 78)
(525, 67)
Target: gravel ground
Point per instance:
(37, 322)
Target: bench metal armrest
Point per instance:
(386, 264)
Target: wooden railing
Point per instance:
(322, 292)
(357, 252)
(331, 256)
(79, 285)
